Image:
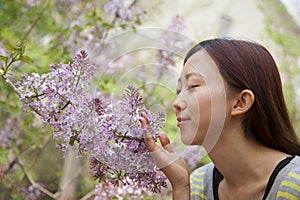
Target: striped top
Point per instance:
(284, 183)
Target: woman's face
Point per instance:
(200, 106)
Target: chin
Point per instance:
(187, 141)
(189, 137)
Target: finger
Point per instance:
(165, 141)
(162, 158)
(143, 120)
(150, 143)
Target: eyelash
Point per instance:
(188, 88)
(191, 87)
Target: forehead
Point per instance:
(200, 63)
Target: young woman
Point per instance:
(230, 101)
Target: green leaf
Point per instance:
(78, 28)
(4, 58)
(1, 72)
(18, 50)
(22, 46)
(9, 47)
(26, 59)
(99, 19)
(138, 21)
(106, 25)
(72, 140)
(123, 26)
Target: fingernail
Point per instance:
(148, 117)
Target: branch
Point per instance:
(12, 85)
(113, 22)
(88, 195)
(4, 171)
(34, 23)
(15, 161)
(34, 184)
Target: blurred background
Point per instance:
(54, 30)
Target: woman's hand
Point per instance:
(169, 162)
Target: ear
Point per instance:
(242, 103)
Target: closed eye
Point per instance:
(188, 88)
(192, 86)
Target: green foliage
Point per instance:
(16, 21)
(43, 29)
(284, 31)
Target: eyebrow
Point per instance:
(187, 76)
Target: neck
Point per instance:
(236, 156)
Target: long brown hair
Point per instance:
(248, 65)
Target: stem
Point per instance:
(88, 195)
(12, 85)
(34, 184)
(34, 23)
(6, 67)
(69, 102)
(125, 136)
(18, 93)
(20, 154)
(113, 22)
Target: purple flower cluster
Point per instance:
(30, 193)
(127, 13)
(178, 24)
(59, 96)
(110, 133)
(9, 134)
(91, 27)
(122, 138)
(110, 192)
(32, 3)
(171, 42)
(192, 155)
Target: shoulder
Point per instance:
(291, 172)
(296, 163)
(201, 182)
(287, 184)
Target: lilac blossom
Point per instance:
(110, 133)
(31, 193)
(113, 6)
(90, 27)
(178, 24)
(122, 138)
(171, 42)
(109, 192)
(192, 155)
(119, 65)
(33, 3)
(57, 94)
(129, 14)
(10, 132)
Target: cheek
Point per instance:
(200, 109)
(204, 111)
(204, 116)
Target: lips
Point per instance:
(181, 121)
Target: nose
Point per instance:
(179, 105)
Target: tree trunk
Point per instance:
(70, 175)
